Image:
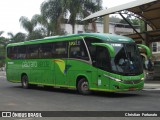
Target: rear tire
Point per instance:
(24, 81)
(83, 87)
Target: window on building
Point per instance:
(158, 46)
(80, 32)
(154, 46)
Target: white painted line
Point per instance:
(151, 89)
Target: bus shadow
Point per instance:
(49, 89)
(93, 93)
(116, 95)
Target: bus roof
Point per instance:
(102, 36)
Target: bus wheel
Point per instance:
(83, 87)
(24, 81)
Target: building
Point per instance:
(114, 28)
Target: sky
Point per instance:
(12, 10)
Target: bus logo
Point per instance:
(27, 64)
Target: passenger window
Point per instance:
(60, 50)
(46, 50)
(92, 48)
(21, 54)
(12, 52)
(78, 50)
(33, 51)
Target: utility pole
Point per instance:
(106, 24)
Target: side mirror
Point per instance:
(107, 46)
(148, 51)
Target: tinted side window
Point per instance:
(21, 52)
(60, 50)
(92, 48)
(46, 50)
(33, 51)
(78, 50)
(103, 58)
(12, 52)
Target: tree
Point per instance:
(19, 37)
(135, 21)
(45, 25)
(3, 43)
(114, 19)
(54, 11)
(36, 34)
(31, 27)
(81, 9)
(27, 24)
(74, 12)
(3, 40)
(1, 32)
(89, 8)
(49, 22)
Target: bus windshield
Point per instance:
(127, 59)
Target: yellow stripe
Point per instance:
(105, 90)
(53, 85)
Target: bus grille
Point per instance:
(131, 81)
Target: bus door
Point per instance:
(103, 65)
(104, 53)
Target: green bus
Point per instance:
(86, 62)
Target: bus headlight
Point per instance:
(115, 79)
(142, 78)
(118, 80)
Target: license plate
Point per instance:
(132, 89)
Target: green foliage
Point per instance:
(89, 8)
(31, 27)
(53, 11)
(3, 40)
(36, 34)
(19, 37)
(48, 23)
(135, 21)
(114, 19)
(1, 32)
(27, 24)
(2, 49)
(142, 26)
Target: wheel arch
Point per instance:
(79, 77)
(22, 74)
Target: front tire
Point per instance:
(83, 87)
(24, 81)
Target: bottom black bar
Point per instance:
(31, 114)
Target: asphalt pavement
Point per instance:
(14, 98)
